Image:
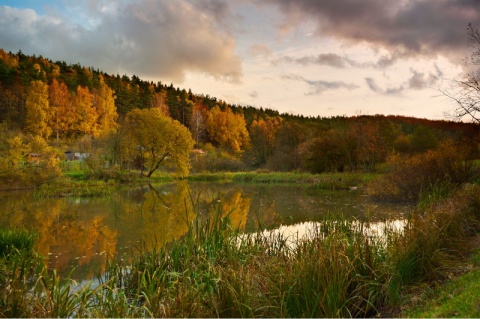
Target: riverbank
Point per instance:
(75, 183)
(456, 297)
(214, 271)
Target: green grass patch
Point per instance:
(14, 241)
(455, 298)
(75, 189)
(76, 175)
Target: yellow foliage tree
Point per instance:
(9, 59)
(227, 129)
(61, 114)
(38, 110)
(104, 103)
(85, 113)
(158, 140)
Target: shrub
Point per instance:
(410, 176)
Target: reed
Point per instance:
(15, 241)
(216, 271)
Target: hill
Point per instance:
(239, 136)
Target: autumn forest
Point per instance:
(125, 123)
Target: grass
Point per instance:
(76, 189)
(13, 241)
(320, 181)
(213, 271)
(458, 297)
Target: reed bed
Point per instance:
(214, 271)
(15, 241)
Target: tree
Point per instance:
(85, 113)
(159, 101)
(158, 140)
(104, 103)
(227, 129)
(325, 153)
(197, 123)
(38, 110)
(466, 93)
(423, 139)
(59, 99)
(285, 156)
(370, 143)
(262, 136)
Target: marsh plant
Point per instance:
(215, 271)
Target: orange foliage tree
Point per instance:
(59, 98)
(227, 129)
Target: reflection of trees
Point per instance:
(236, 207)
(164, 215)
(66, 231)
(229, 200)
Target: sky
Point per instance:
(312, 57)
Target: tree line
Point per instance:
(63, 103)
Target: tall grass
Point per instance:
(14, 241)
(214, 271)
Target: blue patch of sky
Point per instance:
(39, 6)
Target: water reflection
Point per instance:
(294, 234)
(85, 232)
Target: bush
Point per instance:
(410, 176)
(216, 161)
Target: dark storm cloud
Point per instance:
(411, 27)
(320, 86)
(146, 37)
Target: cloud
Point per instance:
(320, 86)
(337, 61)
(151, 38)
(327, 59)
(259, 50)
(417, 81)
(409, 27)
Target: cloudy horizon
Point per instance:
(316, 58)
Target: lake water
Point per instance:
(82, 232)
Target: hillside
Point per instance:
(237, 136)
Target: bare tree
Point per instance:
(466, 92)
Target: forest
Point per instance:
(123, 123)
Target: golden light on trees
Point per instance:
(157, 140)
(227, 129)
(104, 103)
(59, 98)
(85, 113)
(38, 110)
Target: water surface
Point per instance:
(83, 232)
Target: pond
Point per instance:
(84, 232)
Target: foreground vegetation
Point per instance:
(214, 271)
(457, 297)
